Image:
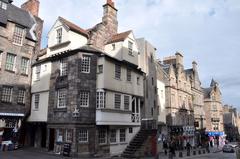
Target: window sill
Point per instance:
(23, 74)
(6, 102)
(115, 143)
(85, 72)
(119, 79)
(123, 143)
(22, 104)
(60, 109)
(17, 44)
(10, 71)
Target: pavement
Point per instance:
(31, 153)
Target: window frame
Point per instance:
(18, 35)
(63, 67)
(102, 133)
(38, 73)
(62, 97)
(86, 64)
(21, 99)
(84, 95)
(130, 48)
(126, 107)
(118, 71)
(117, 101)
(100, 69)
(36, 101)
(10, 65)
(7, 94)
(122, 137)
(59, 32)
(129, 75)
(84, 137)
(113, 137)
(101, 99)
(24, 68)
(3, 5)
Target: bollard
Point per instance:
(199, 152)
(180, 154)
(194, 153)
(203, 152)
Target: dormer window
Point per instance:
(3, 5)
(59, 35)
(130, 48)
(18, 35)
(113, 47)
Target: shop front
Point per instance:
(10, 124)
(216, 138)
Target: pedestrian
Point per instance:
(165, 147)
(188, 148)
(171, 150)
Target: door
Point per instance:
(51, 139)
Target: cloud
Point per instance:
(203, 30)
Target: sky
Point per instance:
(207, 31)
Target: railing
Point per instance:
(135, 117)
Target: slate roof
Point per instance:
(213, 83)
(119, 37)
(74, 27)
(207, 92)
(18, 16)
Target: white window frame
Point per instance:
(122, 137)
(100, 69)
(7, 92)
(21, 96)
(63, 67)
(62, 98)
(24, 65)
(130, 48)
(36, 101)
(10, 62)
(84, 98)
(3, 5)
(59, 35)
(129, 75)
(113, 136)
(117, 101)
(18, 35)
(126, 102)
(102, 136)
(69, 135)
(86, 64)
(117, 71)
(83, 136)
(101, 99)
(38, 72)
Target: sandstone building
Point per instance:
(20, 37)
(214, 112)
(179, 104)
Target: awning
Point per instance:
(12, 114)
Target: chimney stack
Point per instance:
(194, 65)
(32, 6)
(110, 17)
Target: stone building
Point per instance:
(214, 112)
(95, 87)
(230, 120)
(20, 39)
(179, 105)
(198, 103)
(147, 62)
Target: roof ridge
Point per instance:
(74, 27)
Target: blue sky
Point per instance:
(207, 31)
